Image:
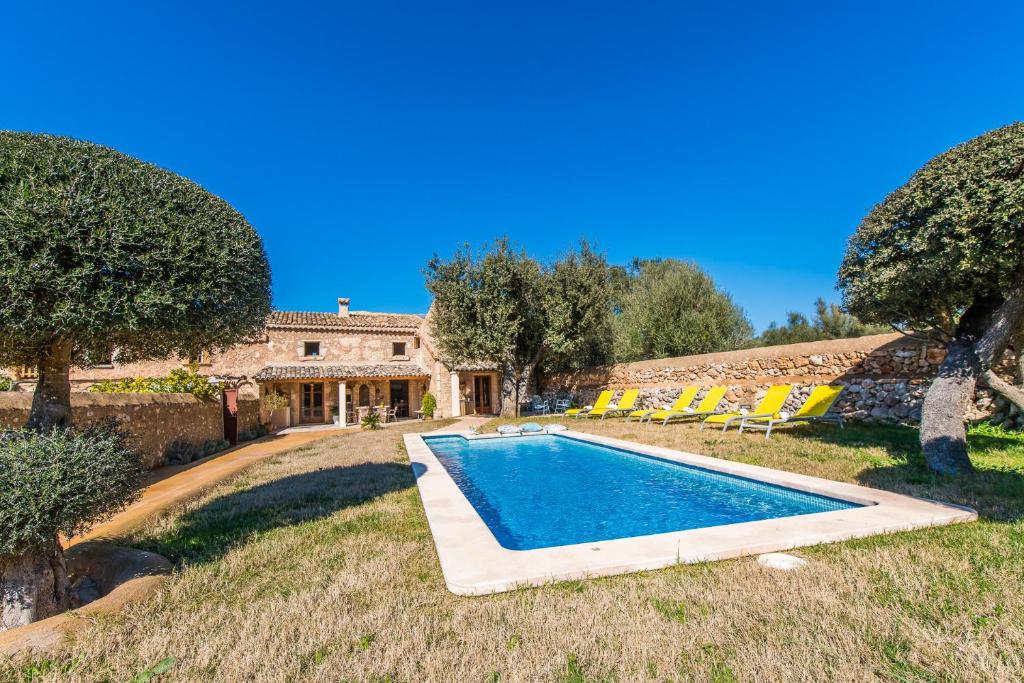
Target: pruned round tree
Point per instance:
(102, 254)
(944, 254)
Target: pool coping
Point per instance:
(474, 563)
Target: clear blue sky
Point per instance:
(360, 138)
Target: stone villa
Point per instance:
(323, 360)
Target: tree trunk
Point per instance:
(33, 586)
(509, 392)
(1018, 358)
(51, 402)
(943, 438)
(513, 382)
(1012, 393)
(984, 333)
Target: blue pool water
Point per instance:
(544, 491)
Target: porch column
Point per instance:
(342, 407)
(456, 396)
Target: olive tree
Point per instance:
(502, 306)
(944, 254)
(674, 308)
(830, 322)
(101, 253)
(55, 483)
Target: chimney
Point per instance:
(343, 307)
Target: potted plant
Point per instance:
(335, 415)
(429, 406)
(371, 421)
(279, 408)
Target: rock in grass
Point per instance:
(781, 561)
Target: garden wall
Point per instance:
(886, 375)
(158, 424)
(248, 415)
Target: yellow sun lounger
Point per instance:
(814, 409)
(624, 406)
(601, 402)
(707, 406)
(769, 407)
(682, 402)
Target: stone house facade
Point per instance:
(322, 361)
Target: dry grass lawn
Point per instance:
(318, 565)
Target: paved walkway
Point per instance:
(171, 485)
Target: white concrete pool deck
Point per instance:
(473, 562)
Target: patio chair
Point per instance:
(392, 414)
(707, 406)
(601, 402)
(682, 402)
(562, 404)
(539, 405)
(624, 407)
(814, 409)
(769, 406)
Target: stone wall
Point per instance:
(886, 377)
(248, 414)
(157, 423)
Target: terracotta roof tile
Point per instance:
(322, 371)
(356, 320)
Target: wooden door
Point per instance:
(482, 393)
(312, 403)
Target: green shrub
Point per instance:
(182, 452)
(371, 421)
(256, 432)
(62, 482)
(6, 383)
(275, 401)
(429, 405)
(179, 381)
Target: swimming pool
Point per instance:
(508, 512)
(549, 490)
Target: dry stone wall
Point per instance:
(159, 425)
(886, 377)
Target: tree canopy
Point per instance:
(830, 322)
(952, 236)
(101, 253)
(54, 484)
(944, 253)
(673, 308)
(502, 306)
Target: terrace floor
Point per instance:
(317, 564)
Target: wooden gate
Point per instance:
(229, 399)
